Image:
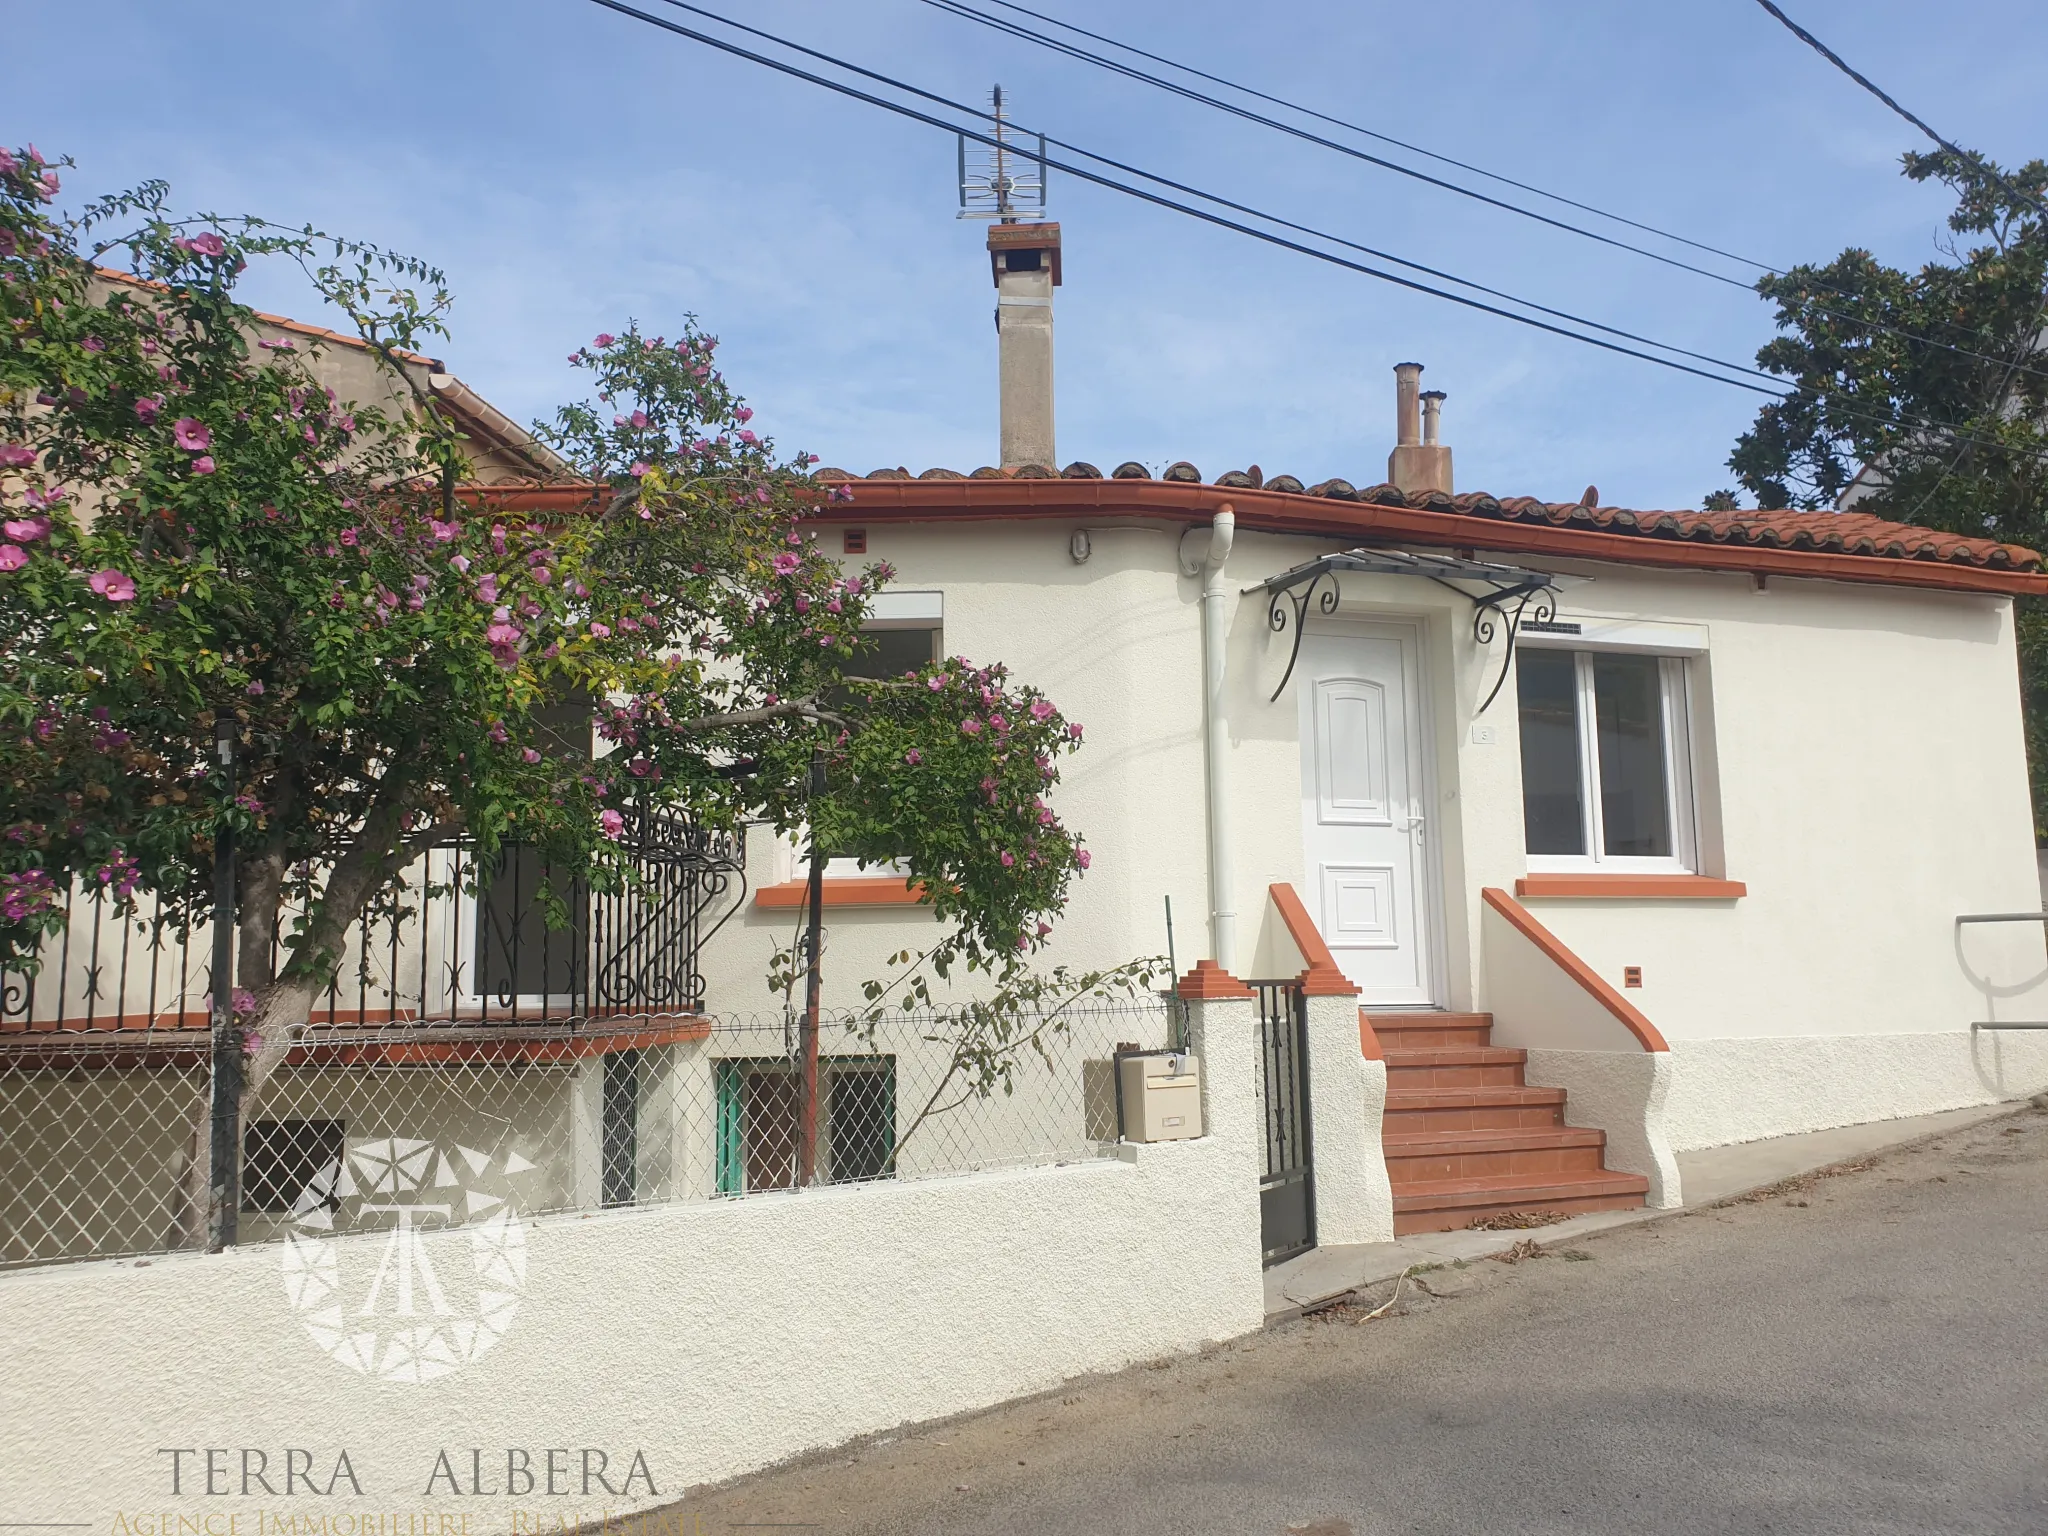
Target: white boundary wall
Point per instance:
(714, 1339)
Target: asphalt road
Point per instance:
(1868, 1354)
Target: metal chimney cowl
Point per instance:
(1419, 461)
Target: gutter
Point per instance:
(918, 501)
(506, 433)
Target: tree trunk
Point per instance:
(284, 1002)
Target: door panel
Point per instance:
(1351, 755)
(1360, 906)
(1364, 810)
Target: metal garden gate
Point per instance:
(1287, 1223)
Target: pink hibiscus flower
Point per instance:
(113, 585)
(192, 435)
(26, 530)
(612, 824)
(12, 557)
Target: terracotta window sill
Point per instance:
(854, 891)
(1632, 887)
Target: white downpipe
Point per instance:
(1216, 743)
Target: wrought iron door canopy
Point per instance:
(1502, 584)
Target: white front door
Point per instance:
(1364, 809)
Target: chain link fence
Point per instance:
(370, 1125)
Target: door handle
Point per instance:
(1414, 824)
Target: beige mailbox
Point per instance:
(1162, 1096)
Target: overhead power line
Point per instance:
(2018, 192)
(1173, 204)
(1861, 79)
(1112, 184)
(1372, 133)
(952, 7)
(965, 11)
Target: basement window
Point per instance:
(1607, 781)
(281, 1157)
(760, 1120)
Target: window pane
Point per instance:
(860, 1120)
(1629, 723)
(1553, 816)
(893, 652)
(518, 954)
(281, 1157)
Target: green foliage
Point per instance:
(1935, 377)
(1933, 383)
(198, 531)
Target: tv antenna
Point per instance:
(1006, 179)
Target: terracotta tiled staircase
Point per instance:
(1465, 1137)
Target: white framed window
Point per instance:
(904, 632)
(1607, 776)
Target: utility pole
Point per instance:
(814, 935)
(224, 1195)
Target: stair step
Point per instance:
(1435, 1157)
(1483, 1108)
(1415, 1142)
(1443, 1205)
(1464, 1066)
(1403, 1031)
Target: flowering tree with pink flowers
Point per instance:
(197, 531)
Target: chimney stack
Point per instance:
(1419, 461)
(1025, 261)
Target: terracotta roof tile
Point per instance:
(1823, 533)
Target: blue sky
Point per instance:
(570, 168)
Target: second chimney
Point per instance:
(1025, 260)
(1419, 461)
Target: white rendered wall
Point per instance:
(1114, 642)
(1859, 763)
(714, 1338)
(1862, 771)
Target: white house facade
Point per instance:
(1696, 833)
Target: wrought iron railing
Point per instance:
(456, 944)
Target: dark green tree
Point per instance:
(1932, 385)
